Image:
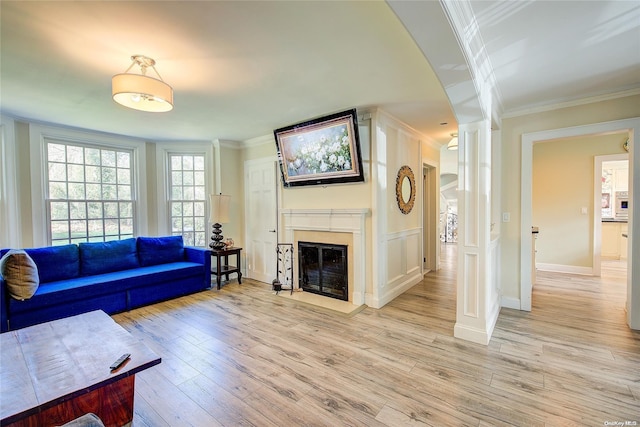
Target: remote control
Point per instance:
(115, 365)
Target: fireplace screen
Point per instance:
(323, 269)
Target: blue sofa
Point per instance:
(112, 276)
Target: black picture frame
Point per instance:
(321, 151)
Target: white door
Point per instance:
(261, 219)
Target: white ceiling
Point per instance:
(240, 69)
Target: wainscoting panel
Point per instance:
(404, 268)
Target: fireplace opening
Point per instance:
(323, 269)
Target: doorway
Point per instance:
(611, 187)
(431, 249)
(632, 126)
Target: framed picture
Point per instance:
(321, 151)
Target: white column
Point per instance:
(476, 313)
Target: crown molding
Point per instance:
(567, 104)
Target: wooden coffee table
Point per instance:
(57, 371)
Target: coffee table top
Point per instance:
(45, 364)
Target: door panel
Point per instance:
(261, 219)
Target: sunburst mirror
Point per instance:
(405, 189)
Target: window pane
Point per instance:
(95, 227)
(59, 230)
(92, 174)
(56, 153)
(57, 190)
(94, 192)
(109, 192)
(124, 192)
(75, 154)
(108, 158)
(94, 210)
(199, 193)
(124, 160)
(59, 210)
(176, 224)
(126, 226)
(198, 209)
(78, 228)
(176, 209)
(92, 156)
(176, 162)
(176, 178)
(109, 175)
(198, 178)
(126, 210)
(198, 163)
(124, 176)
(57, 172)
(110, 210)
(187, 163)
(75, 173)
(187, 178)
(77, 210)
(176, 193)
(76, 191)
(188, 193)
(111, 227)
(187, 209)
(200, 239)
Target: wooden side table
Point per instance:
(220, 269)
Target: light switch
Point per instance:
(584, 210)
(506, 216)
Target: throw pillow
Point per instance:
(160, 250)
(20, 273)
(56, 262)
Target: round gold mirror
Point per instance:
(405, 189)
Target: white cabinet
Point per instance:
(614, 246)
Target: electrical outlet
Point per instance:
(506, 216)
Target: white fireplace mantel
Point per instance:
(336, 221)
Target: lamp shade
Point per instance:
(453, 144)
(219, 208)
(142, 93)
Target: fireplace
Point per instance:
(322, 269)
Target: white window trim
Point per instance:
(10, 223)
(37, 142)
(164, 150)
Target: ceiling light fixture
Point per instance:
(453, 144)
(141, 92)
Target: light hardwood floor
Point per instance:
(243, 356)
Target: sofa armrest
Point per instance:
(4, 305)
(200, 256)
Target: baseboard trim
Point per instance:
(471, 334)
(511, 302)
(559, 268)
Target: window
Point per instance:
(89, 193)
(187, 197)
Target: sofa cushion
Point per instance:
(56, 262)
(104, 257)
(160, 250)
(20, 273)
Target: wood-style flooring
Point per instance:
(243, 356)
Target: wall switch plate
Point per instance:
(584, 210)
(506, 216)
